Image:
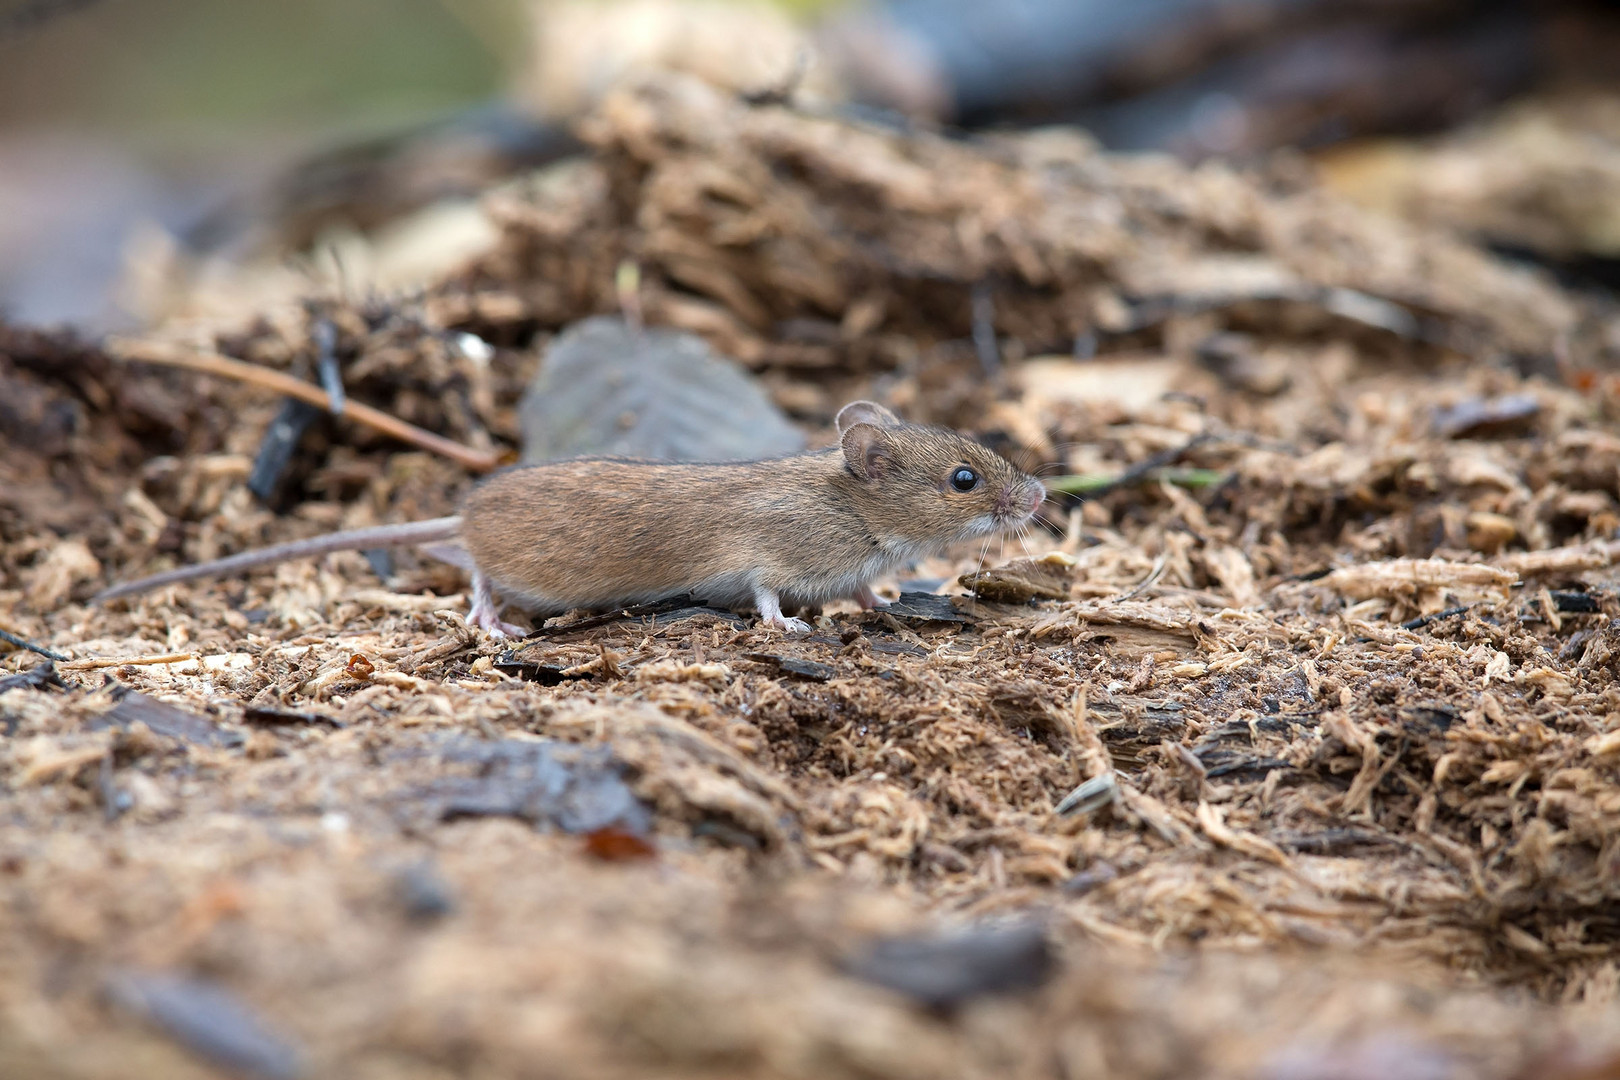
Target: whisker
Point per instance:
(983, 551)
(1021, 457)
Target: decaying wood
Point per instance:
(1341, 725)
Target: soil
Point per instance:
(1292, 754)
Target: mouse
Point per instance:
(774, 535)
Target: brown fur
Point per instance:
(806, 529)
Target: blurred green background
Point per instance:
(186, 75)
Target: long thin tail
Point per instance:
(377, 536)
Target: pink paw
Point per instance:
(787, 624)
(488, 621)
(868, 599)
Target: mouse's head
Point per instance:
(934, 485)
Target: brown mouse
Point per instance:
(801, 530)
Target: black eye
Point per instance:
(964, 479)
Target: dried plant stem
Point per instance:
(210, 363)
(1094, 485)
(94, 662)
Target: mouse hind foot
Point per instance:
(483, 615)
(868, 599)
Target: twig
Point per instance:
(94, 662)
(657, 607)
(1148, 582)
(1136, 473)
(1424, 620)
(324, 334)
(22, 643)
(210, 363)
(1151, 467)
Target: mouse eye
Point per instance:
(964, 479)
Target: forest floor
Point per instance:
(1295, 756)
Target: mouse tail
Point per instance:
(377, 536)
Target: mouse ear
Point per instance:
(865, 412)
(866, 449)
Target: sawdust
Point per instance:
(1340, 727)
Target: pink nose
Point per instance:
(1021, 498)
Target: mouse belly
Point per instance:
(554, 598)
(765, 588)
(733, 592)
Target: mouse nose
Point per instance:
(1030, 495)
(1024, 498)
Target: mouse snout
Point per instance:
(1021, 499)
(1036, 495)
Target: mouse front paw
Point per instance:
(788, 624)
(770, 613)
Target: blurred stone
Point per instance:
(605, 388)
(945, 970)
